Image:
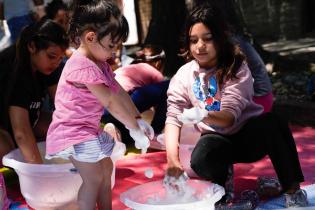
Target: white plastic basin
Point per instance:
(206, 194)
(53, 184)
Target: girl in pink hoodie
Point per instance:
(214, 92)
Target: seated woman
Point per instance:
(29, 70)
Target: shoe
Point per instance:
(229, 188)
(252, 196)
(248, 201)
(229, 184)
(241, 205)
(297, 199)
(268, 187)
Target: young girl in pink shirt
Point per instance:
(214, 92)
(86, 86)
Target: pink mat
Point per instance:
(130, 171)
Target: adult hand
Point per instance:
(174, 172)
(192, 115)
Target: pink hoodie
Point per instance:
(235, 97)
(137, 75)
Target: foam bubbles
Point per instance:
(149, 173)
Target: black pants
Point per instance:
(260, 136)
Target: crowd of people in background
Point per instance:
(59, 74)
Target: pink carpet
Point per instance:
(130, 170)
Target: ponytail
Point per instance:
(101, 16)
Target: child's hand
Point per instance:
(146, 128)
(175, 182)
(192, 115)
(141, 140)
(174, 172)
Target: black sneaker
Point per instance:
(297, 199)
(229, 184)
(248, 201)
(268, 187)
(241, 205)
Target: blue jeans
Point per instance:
(16, 25)
(152, 95)
(145, 97)
(262, 83)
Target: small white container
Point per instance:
(54, 183)
(206, 195)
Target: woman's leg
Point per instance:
(104, 199)
(93, 178)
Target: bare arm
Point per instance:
(126, 100)
(23, 134)
(52, 92)
(172, 135)
(118, 104)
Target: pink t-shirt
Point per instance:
(137, 75)
(78, 112)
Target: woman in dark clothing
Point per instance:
(29, 70)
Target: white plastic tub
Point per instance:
(206, 194)
(53, 184)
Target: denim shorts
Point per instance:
(90, 151)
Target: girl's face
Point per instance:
(62, 18)
(202, 46)
(47, 60)
(103, 49)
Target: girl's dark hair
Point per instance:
(42, 34)
(53, 7)
(229, 56)
(101, 16)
